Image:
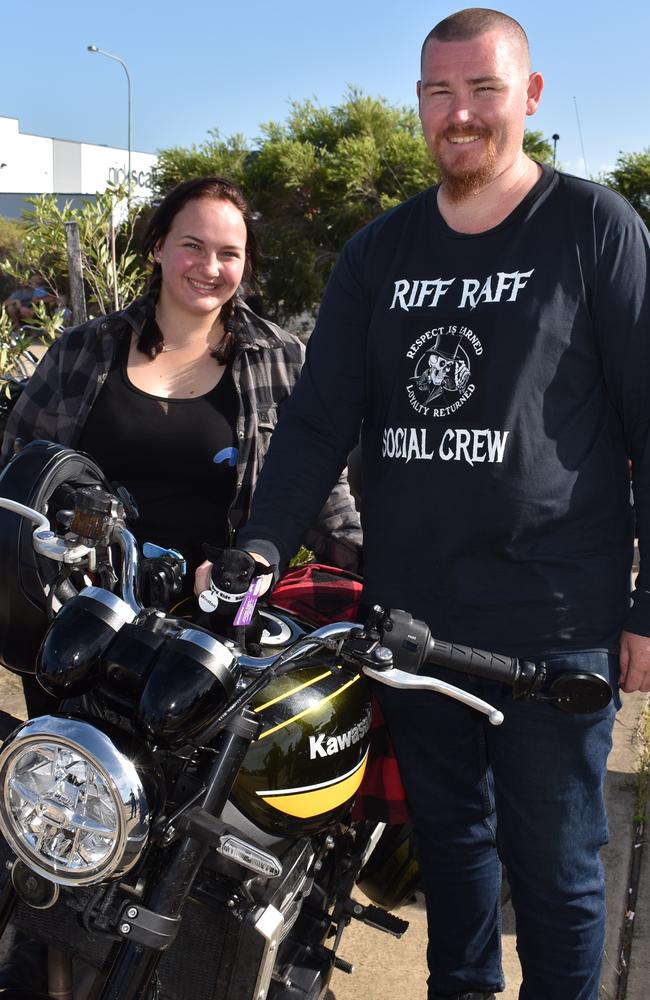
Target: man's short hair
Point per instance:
(472, 22)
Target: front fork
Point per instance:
(134, 964)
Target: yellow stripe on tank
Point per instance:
(287, 694)
(311, 708)
(306, 804)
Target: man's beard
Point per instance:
(460, 182)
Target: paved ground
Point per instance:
(387, 968)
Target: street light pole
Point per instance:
(109, 55)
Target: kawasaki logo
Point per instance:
(322, 746)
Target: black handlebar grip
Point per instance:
(477, 662)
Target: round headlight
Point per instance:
(72, 806)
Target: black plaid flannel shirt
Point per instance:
(58, 398)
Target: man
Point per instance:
(20, 304)
(492, 337)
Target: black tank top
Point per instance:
(176, 456)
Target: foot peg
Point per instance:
(380, 919)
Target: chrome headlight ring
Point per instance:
(72, 805)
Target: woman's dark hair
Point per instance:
(150, 341)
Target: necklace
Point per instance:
(180, 347)
(165, 349)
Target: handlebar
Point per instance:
(493, 666)
(389, 639)
(411, 643)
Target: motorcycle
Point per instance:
(180, 825)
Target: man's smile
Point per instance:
(463, 138)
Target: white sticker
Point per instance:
(208, 601)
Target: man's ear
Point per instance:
(534, 92)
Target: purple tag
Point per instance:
(247, 606)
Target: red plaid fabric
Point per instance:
(381, 797)
(320, 594)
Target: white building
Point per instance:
(33, 164)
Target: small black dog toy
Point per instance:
(233, 572)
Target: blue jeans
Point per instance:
(542, 774)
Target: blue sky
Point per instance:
(219, 64)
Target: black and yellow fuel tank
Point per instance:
(304, 769)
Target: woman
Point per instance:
(176, 396)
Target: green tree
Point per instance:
(631, 178)
(537, 147)
(43, 249)
(15, 345)
(10, 237)
(223, 157)
(320, 176)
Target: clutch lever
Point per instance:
(376, 662)
(405, 681)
